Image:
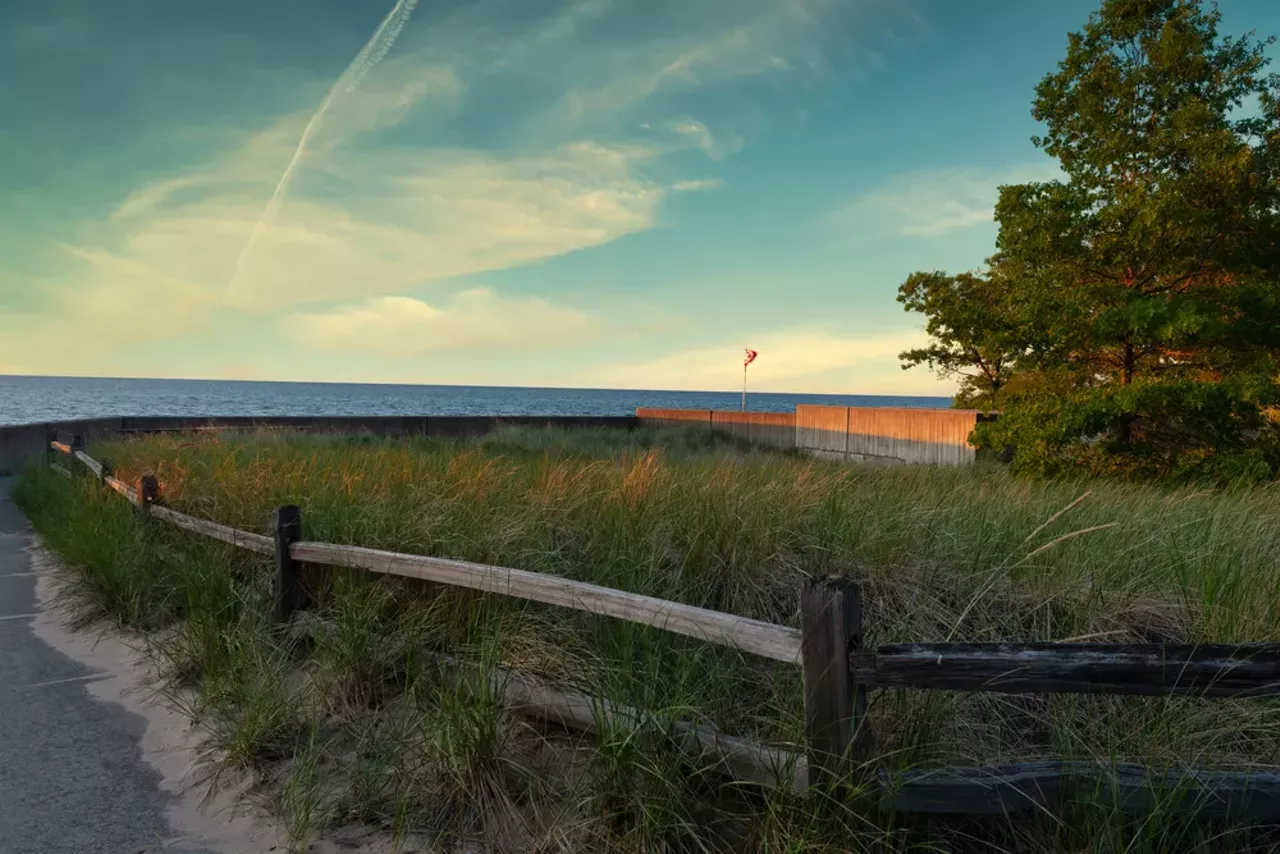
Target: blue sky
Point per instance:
(604, 193)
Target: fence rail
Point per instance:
(838, 674)
(233, 536)
(1203, 670)
(779, 643)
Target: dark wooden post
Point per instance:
(289, 593)
(108, 470)
(834, 707)
(148, 492)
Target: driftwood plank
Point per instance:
(62, 447)
(765, 639)
(1207, 670)
(739, 759)
(234, 536)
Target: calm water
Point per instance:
(30, 399)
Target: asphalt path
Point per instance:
(72, 776)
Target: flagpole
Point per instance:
(744, 386)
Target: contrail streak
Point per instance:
(370, 55)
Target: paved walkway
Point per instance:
(72, 777)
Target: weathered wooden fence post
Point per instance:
(108, 471)
(835, 708)
(289, 593)
(148, 492)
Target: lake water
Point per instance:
(25, 400)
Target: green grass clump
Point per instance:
(353, 713)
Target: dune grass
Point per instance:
(352, 716)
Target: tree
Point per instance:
(971, 337)
(1153, 271)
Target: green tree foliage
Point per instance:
(1151, 274)
(971, 339)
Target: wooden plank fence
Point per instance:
(838, 673)
(764, 639)
(1201, 670)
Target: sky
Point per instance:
(582, 193)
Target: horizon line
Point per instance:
(459, 385)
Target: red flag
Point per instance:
(751, 357)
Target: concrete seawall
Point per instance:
(853, 434)
(823, 431)
(938, 437)
(771, 429)
(930, 436)
(675, 417)
(23, 443)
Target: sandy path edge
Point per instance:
(218, 818)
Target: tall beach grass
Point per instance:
(354, 717)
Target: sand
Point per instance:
(204, 813)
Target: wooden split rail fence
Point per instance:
(838, 674)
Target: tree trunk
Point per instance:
(1124, 431)
(1126, 376)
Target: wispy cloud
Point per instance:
(403, 220)
(695, 185)
(641, 74)
(399, 326)
(374, 50)
(107, 305)
(713, 43)
(715, 147)
(366, 215)
(484, 141)
(928, 203)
